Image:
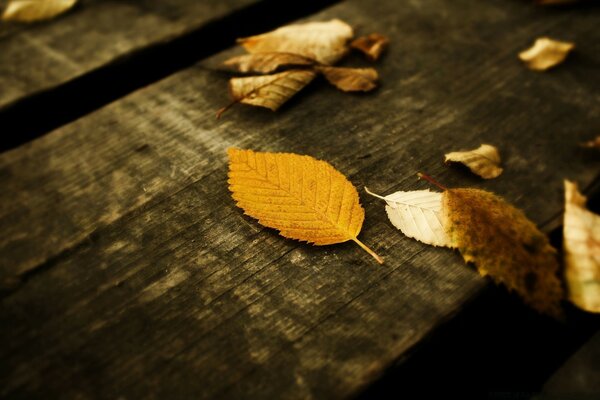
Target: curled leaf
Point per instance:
(545, 54)
(324, 42)
(302, 197)
(35, 10)
(501, 242)
(483, 161)
(351, 79)
(371, 46)
(417, 214)
(269, 91)
(581, 240)
(267, 62)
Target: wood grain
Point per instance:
(128, 270)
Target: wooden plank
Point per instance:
(129, 271)
(38, 57)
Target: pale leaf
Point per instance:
(417, 214)
(351, 79)
(267, 62)
(545, 54)
(324, 42)
(483, 161)
(581, 241)
(302, 197)
(371, 46)
(35, 10)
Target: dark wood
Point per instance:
(128, 271)
(38, 57)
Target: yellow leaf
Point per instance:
(351, 79)
(302, 197)
(545, 54)
(581, 239)
(267, 62)
(324, 42)
(35, 10)
(483, 161)
(269, 91)
(371, 46)
(501, 242)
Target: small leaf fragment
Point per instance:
(545, 54)
(351, 79)
(581, 242)
(372, 46)
(267, 62)
(483, 161)
(35, 10)
(501, 242)
(417, 214)
(592, 144)
(324, 42)
(302, 197)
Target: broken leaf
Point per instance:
(269, 91)
(483, 161)
(501, 242)
(545, 54)
(324, 42)
(372, 45)
(351, 79)
(267, 62)
(417, 214)
(35, 10)
(581, 241)
(302, 197)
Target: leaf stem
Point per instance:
(374, 195)
(431, 180)
(368, 250)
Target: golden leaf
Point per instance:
(545, 54)
(324, 42)
(269, 91)
(483, 161)
(581, 240)
(417, 214)
(501, 242)
(267, 62)
(351, 79)
(302, 197)
(371, 46)
(35, 10)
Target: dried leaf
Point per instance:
(269, 91)
(35, 10)
(267, 62)
(324, 42)
(417, 214)
(351, 79)
(592, 144)
(483, 161)
(302, 197)
(545, 54)
(372, 45)
(581, 240)
(500, 240)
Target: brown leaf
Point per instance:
(554, 2)
(267, 62)
(35, 10)
(501, 242)
(324, 42)
(545, 54)
(351, 79)
(581, 242)
(269, 91)
(372, 45)
(483, 161)
(592, 144)
(302, 197)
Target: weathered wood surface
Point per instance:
(128, 271)
(36, 57)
